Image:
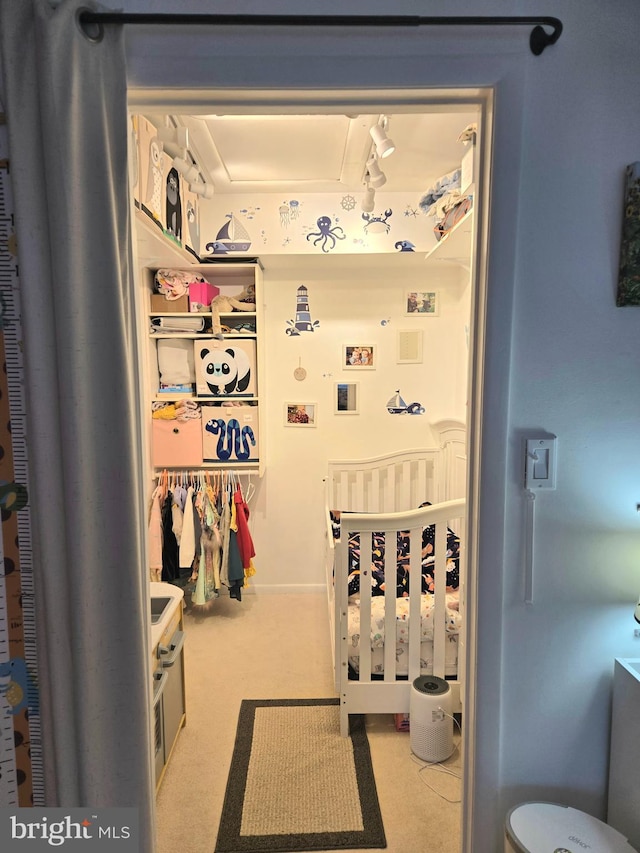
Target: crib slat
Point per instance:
(359, 501)
(405, 486)
(439, 611)
(390, 504)
(365, 607)
(390, 573)
(415, 588)
(421, 483)
(375, 490)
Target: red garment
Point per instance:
(245, 542)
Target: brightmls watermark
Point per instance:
(76, 830)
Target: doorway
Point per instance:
(397, 103)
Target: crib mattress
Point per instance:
(453, 620)
(402, 660)
(377, 636)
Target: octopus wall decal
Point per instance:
(326, 235)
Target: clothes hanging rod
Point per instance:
(538, 40)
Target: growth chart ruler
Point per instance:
(21, 777)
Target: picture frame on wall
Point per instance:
(409, 346)
(347, 398)
(421, 303)
(359, 357)
(303, 415)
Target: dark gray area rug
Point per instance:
(296, 785)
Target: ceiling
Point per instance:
(322, 153)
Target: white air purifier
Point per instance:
(430, 719)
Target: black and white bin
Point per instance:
(550, 828)
(430, 719)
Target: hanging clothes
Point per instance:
(202, 529)
(155, 536)
(187, 551)
(170, 568)
(245, 542)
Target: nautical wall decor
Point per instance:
(377, 224)
(303, 321)
(314, 223)
(327, 235)
(232, 237)
(397, 406)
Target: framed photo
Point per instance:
(421, 303)
(300, 414)
(347, 398)
(360, 357)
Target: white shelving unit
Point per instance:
(155, 251)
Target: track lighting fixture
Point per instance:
(202, 189)
(384, 145)
(175, 140)
(377, 177)
(369, 200)
(189, 171)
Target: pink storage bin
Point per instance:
(201, 293)
(176, 444)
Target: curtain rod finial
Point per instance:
(540, 38)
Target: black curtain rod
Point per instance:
(538, 40)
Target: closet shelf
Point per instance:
(154, 247)
(456, 246)
(176, 395)
(204, 336)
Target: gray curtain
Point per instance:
(65, 100)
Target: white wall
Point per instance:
(566, 126)
(350, 305)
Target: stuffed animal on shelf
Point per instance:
(221, 304)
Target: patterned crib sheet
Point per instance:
(377, 573)
(402, 659)
(453, 620)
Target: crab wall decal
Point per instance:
(377, 224)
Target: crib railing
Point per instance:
(384, 483)
(363, 694)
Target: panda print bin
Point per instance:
(225, 368)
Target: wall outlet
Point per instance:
(636, 633)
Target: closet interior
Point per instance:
(303, 296)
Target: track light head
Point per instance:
(188, 170)
(175, 140)
(384, 145)
(377, 177)
(202, 189)
(369, 200)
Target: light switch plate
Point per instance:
(540, 464)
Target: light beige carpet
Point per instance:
(296, 785)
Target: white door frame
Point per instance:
(281, 101)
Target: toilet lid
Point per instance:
(549, 828)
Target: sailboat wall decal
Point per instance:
(397, 406)
(232, 237)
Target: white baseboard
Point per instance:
(283, 588)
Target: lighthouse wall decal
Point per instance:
(303, 321)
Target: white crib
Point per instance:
(383, 496)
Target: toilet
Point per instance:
(550, 828)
